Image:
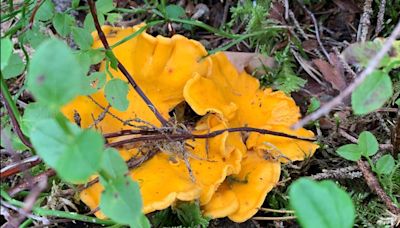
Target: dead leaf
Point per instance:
(250, 62)
(309, 45)
(347, 5)
(276, 12)
(330, 74)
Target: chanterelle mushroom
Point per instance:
(229, 176)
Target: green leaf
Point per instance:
(397, 102)
(116, 92)
(113, 60)
(368, 144)
(113, 17)
(33, 113)
(85, 152)
(104, 6)
(84, 60)
(14, 67)
(190, 215)
(113, 164)
(385, 164)
(82, 38)
(45, 11)
(75, 155)
(75, 4)
(8, 136)
(96, 56)
(372, 93)
(57, 83)
(6, 51)
(88, 24)
(321, 204)
(174, 11)
(94, 82)
(361, 53)
(314, 105)
(63, 23)
(34, 37)
(350, 152)
(121, 201)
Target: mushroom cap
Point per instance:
(248, 188)
(165, 179)
(223, 203)
(160, 66)
(282, 148)
(237, 97)
(225, 88)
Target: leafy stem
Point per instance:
(13, 112)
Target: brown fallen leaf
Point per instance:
(309, 45)
(330, 74)
(250, 62)
(347, 5)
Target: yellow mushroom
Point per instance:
(164, 179)
(156, 65)
(229, 177)
(237, 97)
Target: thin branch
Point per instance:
(365, 20)
(121, 67)
(317, 32)
(326, 108)
(274, 218)
(381, 15)
(374, 185)
(34, 11)
(36, 179)
(276, 210)
(349, 172)
(19, 166)
(185, 136)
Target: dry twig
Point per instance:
(326, 108)
(365, 21)
(381, 14)
(374, 185)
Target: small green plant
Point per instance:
(367, 146)
(183, 214)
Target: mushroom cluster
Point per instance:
(230, 174)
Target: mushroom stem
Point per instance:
(121, 67)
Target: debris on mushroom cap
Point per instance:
(248, 188)
(229, 177)
(209, 164)
(282, 148)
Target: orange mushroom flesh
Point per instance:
(230, 176)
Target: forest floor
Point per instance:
(309, 52)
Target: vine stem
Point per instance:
(15, 116)
(121, 67)
(45, 212)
